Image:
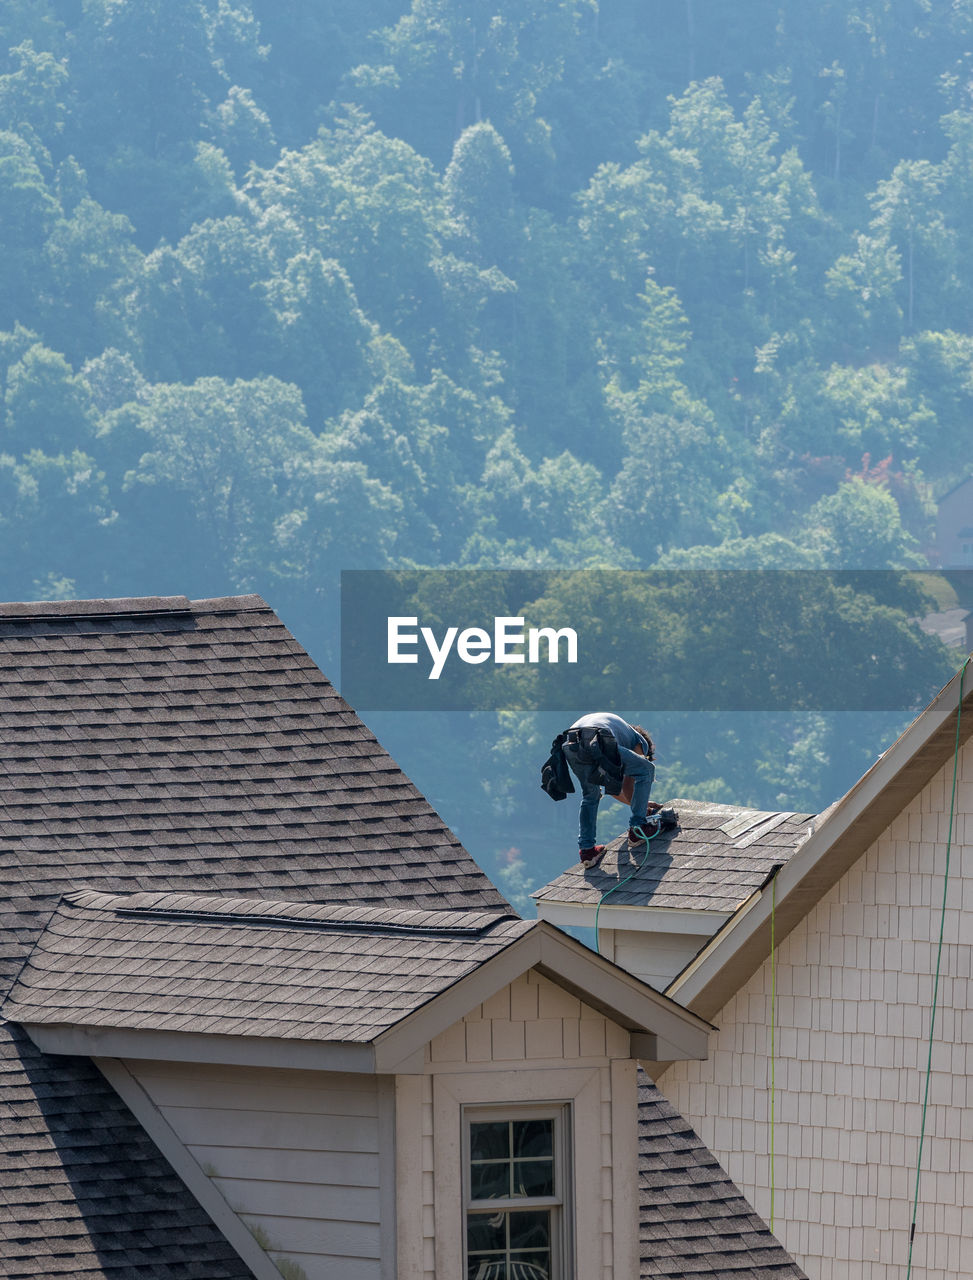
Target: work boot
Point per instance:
(640, 832)
(591, 857)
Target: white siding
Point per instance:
(656, 958)
(294, 1153)
(531, 1042)
(854, 986)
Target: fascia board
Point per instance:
(185, 1046)
(640, 919)
(200, 1186)
(619, 995)
(403, 1041)
(845, 833)
(606, 988)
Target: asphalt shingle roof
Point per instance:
(719, 855)
(246, 967)
(693, 1220)
(174, 750)
(159, 744)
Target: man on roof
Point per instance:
(603, 750)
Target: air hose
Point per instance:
(621, 884)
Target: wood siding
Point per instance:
(295, 1153)
(656, 958)
(531, 1042)
(854, 993)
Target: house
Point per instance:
(263, 1015)
(954, 527)
(822, 984)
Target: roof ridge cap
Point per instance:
(124, 606)
(109, 606)
(337, 917)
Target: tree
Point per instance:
(203, 307)
(236, 455)
(907, 213)
(319, 334)
(243, 131)
(31, 96)
(27, 212)
(478, 186)
(47, 406)
(92, 261)
(859, 527)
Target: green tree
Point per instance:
(27, 213)
(47, 405)
(319, 334)
(31, 96)
(907, 212)
(92, 261)
(859, 526)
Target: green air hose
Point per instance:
(621, 884)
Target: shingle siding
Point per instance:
(854, 986)
(692, 1219)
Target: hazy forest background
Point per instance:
(288, 288)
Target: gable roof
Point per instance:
(191, 976)
(719, 855)
(161, 744)
(957, 486)
(839, 837)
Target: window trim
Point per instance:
(561, 1203)
(585, 1087)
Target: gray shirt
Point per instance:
(620, 729)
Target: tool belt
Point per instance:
(596, 747)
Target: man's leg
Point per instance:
(642, 773)
(590, 797)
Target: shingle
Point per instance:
(693, 1220)
(158, 744)
(181, 962)
(167, 750)
(719, 855)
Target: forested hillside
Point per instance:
(287, 288)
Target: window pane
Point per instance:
(492, 1269)
(530, 1266)
(490, 1181)
(534, 1178)
(485, 1233)
(530, 1229)
(533, 1137)
(490, 1140)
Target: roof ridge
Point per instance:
(326, 917)
(117, 606)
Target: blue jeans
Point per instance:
(633, 765)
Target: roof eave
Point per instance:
(658, 1026)
(198, 1046)
(603, 986)
(639, 918)
(846, 831)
